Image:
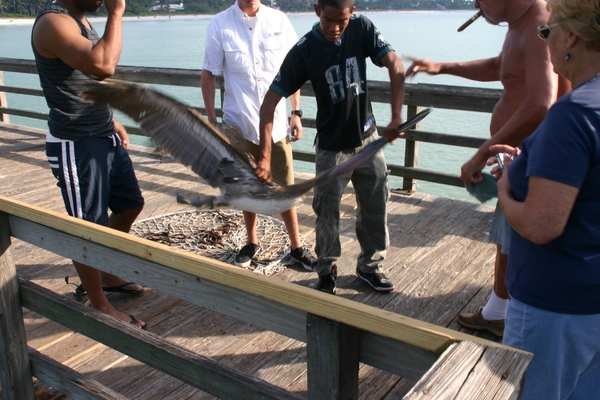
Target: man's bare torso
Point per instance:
(512, 70)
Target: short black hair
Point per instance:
(339, 4)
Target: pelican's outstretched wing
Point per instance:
(178, 129)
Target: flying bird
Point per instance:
(223, 161)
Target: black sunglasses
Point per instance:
(544, 31)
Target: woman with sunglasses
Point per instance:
(551, 198)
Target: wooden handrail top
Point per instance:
(424, 95)
(408, 330)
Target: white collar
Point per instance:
(238, 11)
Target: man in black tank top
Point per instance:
(85, 146)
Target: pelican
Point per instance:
(222, 161)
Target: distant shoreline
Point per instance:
(29, 21)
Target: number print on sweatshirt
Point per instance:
(338, 85)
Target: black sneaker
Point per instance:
(302, 255)
(244, 257)
(327, 283)
(378, 281)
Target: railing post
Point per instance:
(411, 153)
(222, 99)
(3, 102)
(15, 369)
(332, 359)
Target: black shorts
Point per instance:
(94, 175)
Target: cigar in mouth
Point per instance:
(470, 21)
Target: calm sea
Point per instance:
(179, 43)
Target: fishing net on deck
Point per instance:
(219, 234)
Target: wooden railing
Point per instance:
(339, 333)
(416, 96)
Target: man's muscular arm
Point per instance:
(484, 70)
(208, 85)
(295, 121)
(58, 36)
(540, 91)
(396, 72)
(267, 112)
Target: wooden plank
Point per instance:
(286, 320)
(187, 286)
(280, 293)
(3, 102)
(443, 138)
(24, 113)
(361, 316)
(425, 175)
(395, 170)
(375, 354)
(401, 388)
(17, 90)
(18, 65)
(498, 375)
(189, 367)
(473, 371)
(433, 246)
(426, 95)
(446, 377)
(411, 152)
(394, 356)
(375, 384)
(15, 370)
(450, 97)
(69, 381)
(159, 76)
(332, 359)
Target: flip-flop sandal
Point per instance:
(134, 321)
(121, 289)
(79, 289)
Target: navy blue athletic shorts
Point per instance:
(94, 175)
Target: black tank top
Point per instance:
(70, 118)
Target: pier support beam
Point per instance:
(411, 152)
(15, 369)
(332, 358)
(3, 102)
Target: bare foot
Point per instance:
(123, 317)
(112, 281)
(130, 319)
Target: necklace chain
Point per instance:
(524, 14)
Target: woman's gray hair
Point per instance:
(582, 17)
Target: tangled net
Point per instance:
(219, 234)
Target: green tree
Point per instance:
(141, 7)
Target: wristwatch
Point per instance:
(297, 112)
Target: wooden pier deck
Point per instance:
(439, 260)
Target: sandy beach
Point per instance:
(29, 21)
(16, 21)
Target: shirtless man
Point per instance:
(530, 87)
(69, 54)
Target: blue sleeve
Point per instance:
(564, 145)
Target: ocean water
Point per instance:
(178, 42)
